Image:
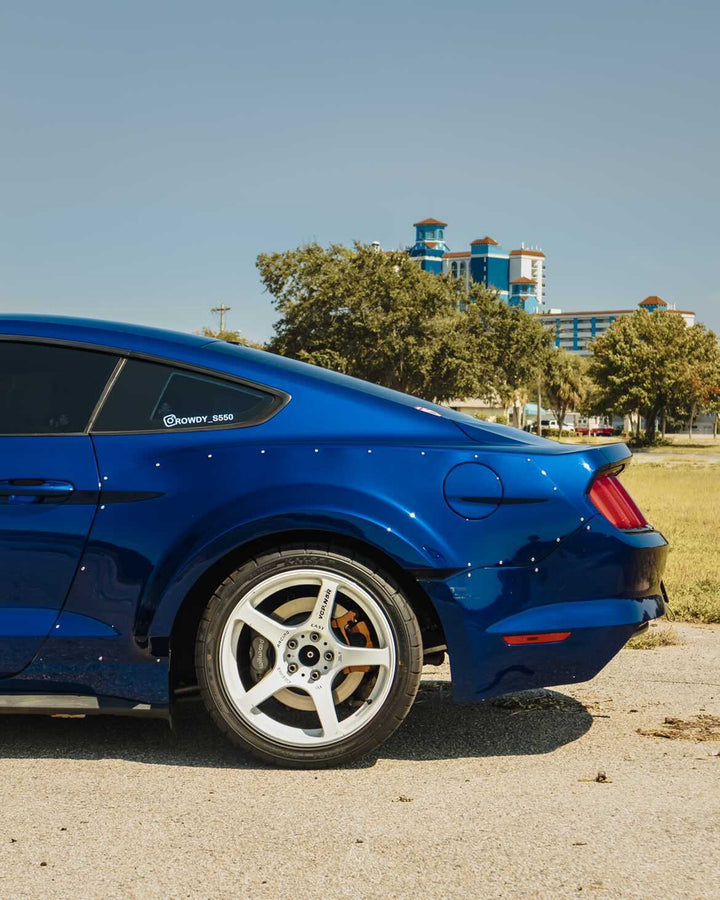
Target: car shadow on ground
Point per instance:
(534, 722)
(527, 723)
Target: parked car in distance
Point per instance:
(596, 427)
(550, 425)
(547, 425)
(179, 515)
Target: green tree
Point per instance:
(648, 363)
(380, 317)
(565, 383)
(514, 343)
(232, 337)
(699, 389)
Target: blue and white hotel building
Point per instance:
(574, 331)
(519, 278)
(517, 275)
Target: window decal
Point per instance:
(171, 420)
(153, 396)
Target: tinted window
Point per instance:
(152, 397)
(49, 390)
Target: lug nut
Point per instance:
(329, 656)
(315, 637)
(292, 644)
(292, 668)
(314, 675)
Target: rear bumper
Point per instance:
(598, 630)
(601, 586)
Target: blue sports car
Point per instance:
(181, 514)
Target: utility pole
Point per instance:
(222, 309)
(538, 425)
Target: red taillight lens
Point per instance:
(611, 499)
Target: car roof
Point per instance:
(279, 371)
(260, 366)
(96, 331)
(222, 356)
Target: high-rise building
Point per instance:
(573, 331)
(429, 247)
(519, 278)
(517, 275)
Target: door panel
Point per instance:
(48, 497)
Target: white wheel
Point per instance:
(302, 659)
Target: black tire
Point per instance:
(390, 599)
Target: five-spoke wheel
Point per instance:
(309, 657)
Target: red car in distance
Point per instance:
(595, 428)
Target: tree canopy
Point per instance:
(380, 317)
(653, 363)
(232, 337)
(699, 390)
(565, 383)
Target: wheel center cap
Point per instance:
(309, 655)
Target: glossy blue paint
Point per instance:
(473, 490)
(43, 530)
(600, 584)
(494, 524)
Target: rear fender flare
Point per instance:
(413, 551)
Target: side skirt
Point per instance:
(78, 704)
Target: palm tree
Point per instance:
(565, 382)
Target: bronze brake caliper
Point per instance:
(348, 623)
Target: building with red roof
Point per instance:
(519, 278)
(484, 262)
(430, 222)
(574, 331)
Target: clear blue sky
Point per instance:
(152, 148)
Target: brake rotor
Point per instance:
(349, 684)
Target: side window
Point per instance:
(49, 390)
(151, 396)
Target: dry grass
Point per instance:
(656, 636)
(699, 728)
(682, 501)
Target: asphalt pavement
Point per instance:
(611, 789)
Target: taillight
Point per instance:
(611, 499)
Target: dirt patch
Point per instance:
(699, 728)
(530, 701)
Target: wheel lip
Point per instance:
(289, 736)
